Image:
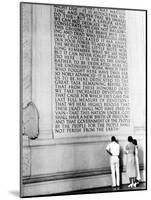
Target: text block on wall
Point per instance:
(90, 72)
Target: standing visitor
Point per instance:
(137, 162)
(131, 166)
(113, 149)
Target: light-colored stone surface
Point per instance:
(69, 157)
(41, 66)
(70, 185)
(137, 65)
(26, 162)
(26, 43)
(66, 185)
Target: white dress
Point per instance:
(131, 164)
(137, 163)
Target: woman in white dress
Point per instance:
(131, 164)
(137, 162)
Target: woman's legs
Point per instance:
(135, 182)
(130, 185)
(132, 182)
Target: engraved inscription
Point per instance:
(91, 70)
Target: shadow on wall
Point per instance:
(142, 162)
(121, 158)
(141, 156)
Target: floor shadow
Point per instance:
(14, 193)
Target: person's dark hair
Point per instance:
(135, 142)
(130, 139)
(113, 139)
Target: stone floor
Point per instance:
(141, 186)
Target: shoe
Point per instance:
(138, 182)
(130, 185)
(134, 185)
